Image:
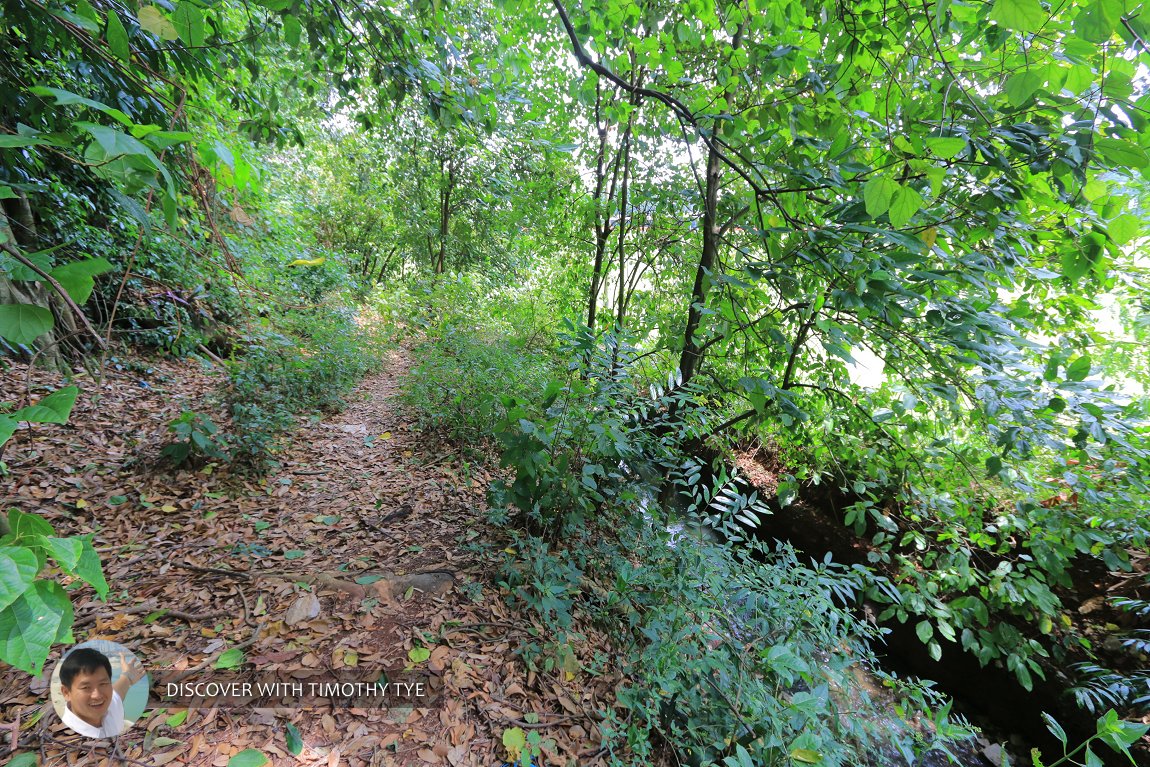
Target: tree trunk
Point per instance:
(48, 349)
(692, 348)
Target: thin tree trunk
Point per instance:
(692, 348)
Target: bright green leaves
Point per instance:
(40, 617)
(35, 614)
(18, 568)
(77, 277)
(1020, 87)
(899, 202)
(905, 202)
(1024, 16)
(24, 323)
(189, 23)
(1120, 153)
(877, 195)
(946, 147)
(55, 408)
(1097, 20)
(1079, 369)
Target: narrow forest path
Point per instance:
(361, 549)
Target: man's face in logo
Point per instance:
(90, 695)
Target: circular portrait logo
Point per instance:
(99, 689)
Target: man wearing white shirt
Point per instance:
(93, 704)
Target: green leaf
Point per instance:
(66, 551)
(1121, 153)
(514, 740)
(1024, 16)
(26, 759)
(24, 323)
(9, 141)
(26, 527)
(806, 756)
(189, 23)
(153, 20)
(18, 568)
(1020, 87)
(233, 658)
(367, 580)
(418, 654)
(1079, 369)
(1055, 728)
(946, 147)
(249, 757)
(89, 568)
(64, 98)
(1096, 22)
(117, 37)
(55, 408)
(292, 30)
(295, 554)
(7, 428)
(993, 466)
(877, 194)
(1124, 228)
(903, 206)
(294, 741)
(77, 277)
(925, 631)
(176, 719)
(29, 627)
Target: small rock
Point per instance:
(993, 754)
(305, 607)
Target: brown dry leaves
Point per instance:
(349, 555)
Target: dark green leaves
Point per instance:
(117, 37)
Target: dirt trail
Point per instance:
(308, 568)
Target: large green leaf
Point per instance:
(64, 98)
(1122, 153)
(8, 427)
(189, 23)
(903, 205)
(89, 569)
(1020, 15)
(18, 568)
(249, 757)
(37, 619)
(117, 37)
(66, 551)
(55, 408)
(877, 194)
(24, 323)
(77, 277)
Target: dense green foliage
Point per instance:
(902, 243)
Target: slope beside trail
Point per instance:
(365, 549)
